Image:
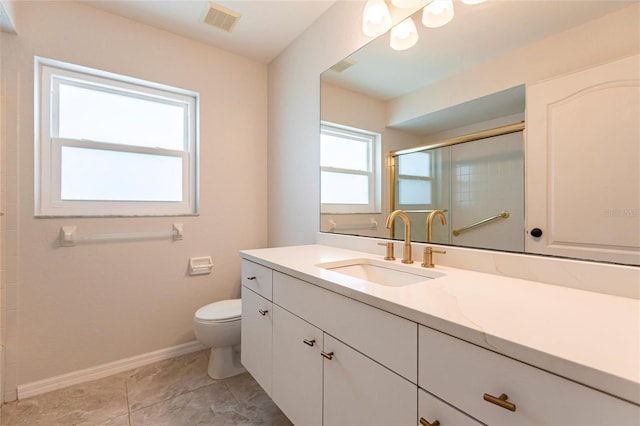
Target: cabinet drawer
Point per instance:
(432, 409)
(461, 374)
(256, 337)
(385, 337)
(257, 278)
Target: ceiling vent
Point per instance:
(220, 17)
(343, 65)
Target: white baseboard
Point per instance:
(104, 370)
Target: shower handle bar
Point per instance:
(501, 215)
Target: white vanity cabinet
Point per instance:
(466, 376)
(257, 317)
(343, 387)
(388, 339)
(325, 358)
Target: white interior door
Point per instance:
(583, 157)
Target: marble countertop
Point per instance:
(588, 337)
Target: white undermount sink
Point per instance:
(387, 273)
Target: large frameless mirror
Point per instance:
(447, 124)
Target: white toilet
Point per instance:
(217, 325)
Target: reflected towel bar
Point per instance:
(501, 215)
(335, 227)
(69, 237)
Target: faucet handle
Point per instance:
(389, 255)
(427, 261)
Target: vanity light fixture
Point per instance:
(404, 35)
(376, 18)
(437, 13)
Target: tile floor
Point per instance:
(175, 392)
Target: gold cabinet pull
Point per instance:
(263, 312)
(328, 356)
(309, 342)
(424, 422)
(251, 278)
(500, 401)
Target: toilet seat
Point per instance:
(222, 311)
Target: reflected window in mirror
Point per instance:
(415, 181)
(349, 169)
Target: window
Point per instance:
(109, 145)
(414, 180)
(349, 170)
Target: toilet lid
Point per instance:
(223, 310)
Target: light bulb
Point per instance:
(437, 13)
(404, 35)
(376, 18)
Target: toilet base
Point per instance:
(225, 362)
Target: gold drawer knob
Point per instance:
(327, 355)
(309, 342)
(263, 312)
(424, 422)
(500, 401)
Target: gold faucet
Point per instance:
(406, 253)
(427, 261)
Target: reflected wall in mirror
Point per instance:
(570, 74)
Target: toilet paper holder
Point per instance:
(200, 265)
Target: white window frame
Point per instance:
(48, 148)
(374, 142)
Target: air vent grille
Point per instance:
(220, 17)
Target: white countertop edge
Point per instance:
(599, 379)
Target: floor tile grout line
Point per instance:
(184, 392)
(126, 391)
(226, 383)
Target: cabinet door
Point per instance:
(431, 409)
(583, 173)
(359, 391)
(256, 352)
(297, 368)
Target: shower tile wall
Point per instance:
(487, 178)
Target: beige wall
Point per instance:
(75, 308)
(294, 120)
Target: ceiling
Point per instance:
(264, 30)
(477, 34)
